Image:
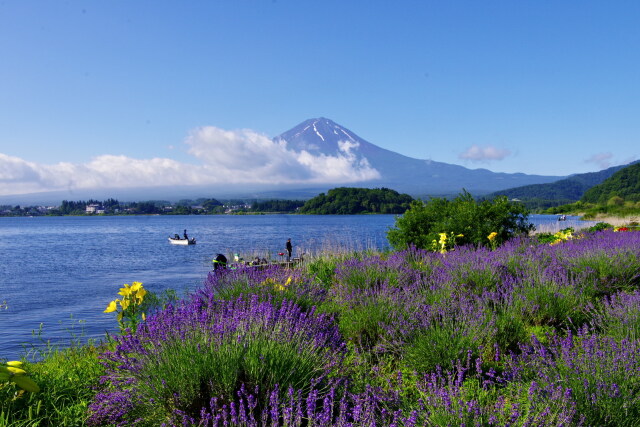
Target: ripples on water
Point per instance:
(61, 272)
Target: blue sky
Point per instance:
(104, 87)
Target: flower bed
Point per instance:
(524, 334)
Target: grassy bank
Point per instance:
(625, 211)
(525, 334)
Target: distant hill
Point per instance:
(351, 201)
(558, 193)
(624, 184)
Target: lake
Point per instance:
(57, 274)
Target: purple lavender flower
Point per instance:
(207, 348)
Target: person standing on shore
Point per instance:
(289, 248)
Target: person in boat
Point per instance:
(185, 235)
(176, 236)
(289, 248)
(219, 262)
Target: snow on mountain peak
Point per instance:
(317, 133)
(321, 135)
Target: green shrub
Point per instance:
(188, 355)
(470, 221)
(615, 201)
(323, 269)
(67, 379)
(599, 227)
(511, 330)
(440, 345)
(610, 272)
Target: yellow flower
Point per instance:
(442, 242)
(267, 282)
(113, 306)
(492, 236)
(14, 363)
(125, 303)
(135, 286)
(15, 371)
(279, 287)
(563, 235)
(140, 294)
(126, 290)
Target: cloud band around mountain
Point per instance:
(485, 154)
(221, 157)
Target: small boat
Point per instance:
(562, 218)
(179, 241)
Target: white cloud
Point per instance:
(245, 156)
(485, 154)
(18, 176)
(347, 147)
(603, 160)
(220, 157)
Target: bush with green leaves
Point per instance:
(469, 220)
(66, 379)
(599, 227)
(186, 355)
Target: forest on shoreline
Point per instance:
(338, 201)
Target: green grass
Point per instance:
(66, 379)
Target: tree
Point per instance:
(352, 201)
(615, 201)
(276, 205)
(211, 205)
(463, 216)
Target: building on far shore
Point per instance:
(94, 209)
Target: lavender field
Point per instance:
(528, 334)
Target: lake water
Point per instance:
(57, 274)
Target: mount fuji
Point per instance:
(386, 168)
(311, 158)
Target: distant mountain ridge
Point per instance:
(560, 192)
(405, 174)
(624, 183)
